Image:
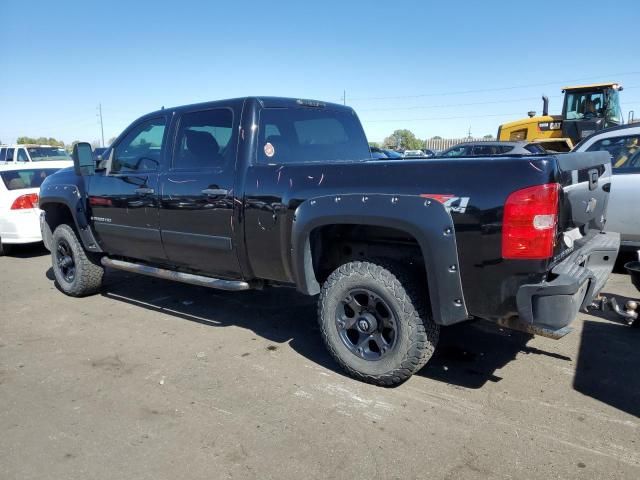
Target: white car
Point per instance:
(33, 153)
(19, 212)
(413, 153)
(623, 213)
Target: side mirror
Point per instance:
(83, 162)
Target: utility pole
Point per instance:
(344, 97)
(101, 124)
(469, 132)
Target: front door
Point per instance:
(196, 200)
(124, 198)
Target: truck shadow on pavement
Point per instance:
(468, 354)
(609, 361)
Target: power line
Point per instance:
(419, 107)
(496, 89)
(440, 118)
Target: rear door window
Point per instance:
(10, 154)
(624, 152)
(204, 139)
(3, 154)
(22, 155)
(21, 179)
(292, 135)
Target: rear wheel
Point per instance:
(77, 272)
(373, 323)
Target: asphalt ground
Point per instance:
(157, 380)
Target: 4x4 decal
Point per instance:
(452, 203)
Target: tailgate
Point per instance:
(586, 181)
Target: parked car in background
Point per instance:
(414, 154)
(623, 143)
(97, 152)
(428, 152)
(474, 149)
(33, 153)
(381, 153)
(19, 212)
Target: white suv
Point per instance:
(623, 214)
(32, 153)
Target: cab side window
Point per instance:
(141, 149)
(3, 154)
(10, 154)
(22, 155)
(625, 152)
(204, 140)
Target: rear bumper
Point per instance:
(20, 226)
(553, 305)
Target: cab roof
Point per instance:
(593, 86)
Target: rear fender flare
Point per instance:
(426, 220)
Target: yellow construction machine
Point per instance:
(586, 109)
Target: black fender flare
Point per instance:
(70, 196)
(426, 220)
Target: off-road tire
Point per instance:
(417, 333)
(88, 270)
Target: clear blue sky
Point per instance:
(61, 59)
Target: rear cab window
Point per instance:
(25, 178)
(624, 151)
(300, 135)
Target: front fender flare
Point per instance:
(70, 196)
(426, 220)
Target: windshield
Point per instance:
(43, 154)
(584, 105)
(614, 113)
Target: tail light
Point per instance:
(529, 224)
(30, 200)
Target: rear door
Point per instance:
(197, 200)
(124, 198)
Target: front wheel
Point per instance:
(77, 273)
(373, 323)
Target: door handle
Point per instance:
(144, 191)
(215, 192)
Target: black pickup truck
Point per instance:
(252, 192)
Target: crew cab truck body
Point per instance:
(249, 192)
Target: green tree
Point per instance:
(488, 137)
(374, 144)
(40, 141)
(403, 139)
(437, 137)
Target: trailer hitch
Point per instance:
(629, 313)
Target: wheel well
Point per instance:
(57, 214)
(334, 245)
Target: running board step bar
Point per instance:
(233, 285)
